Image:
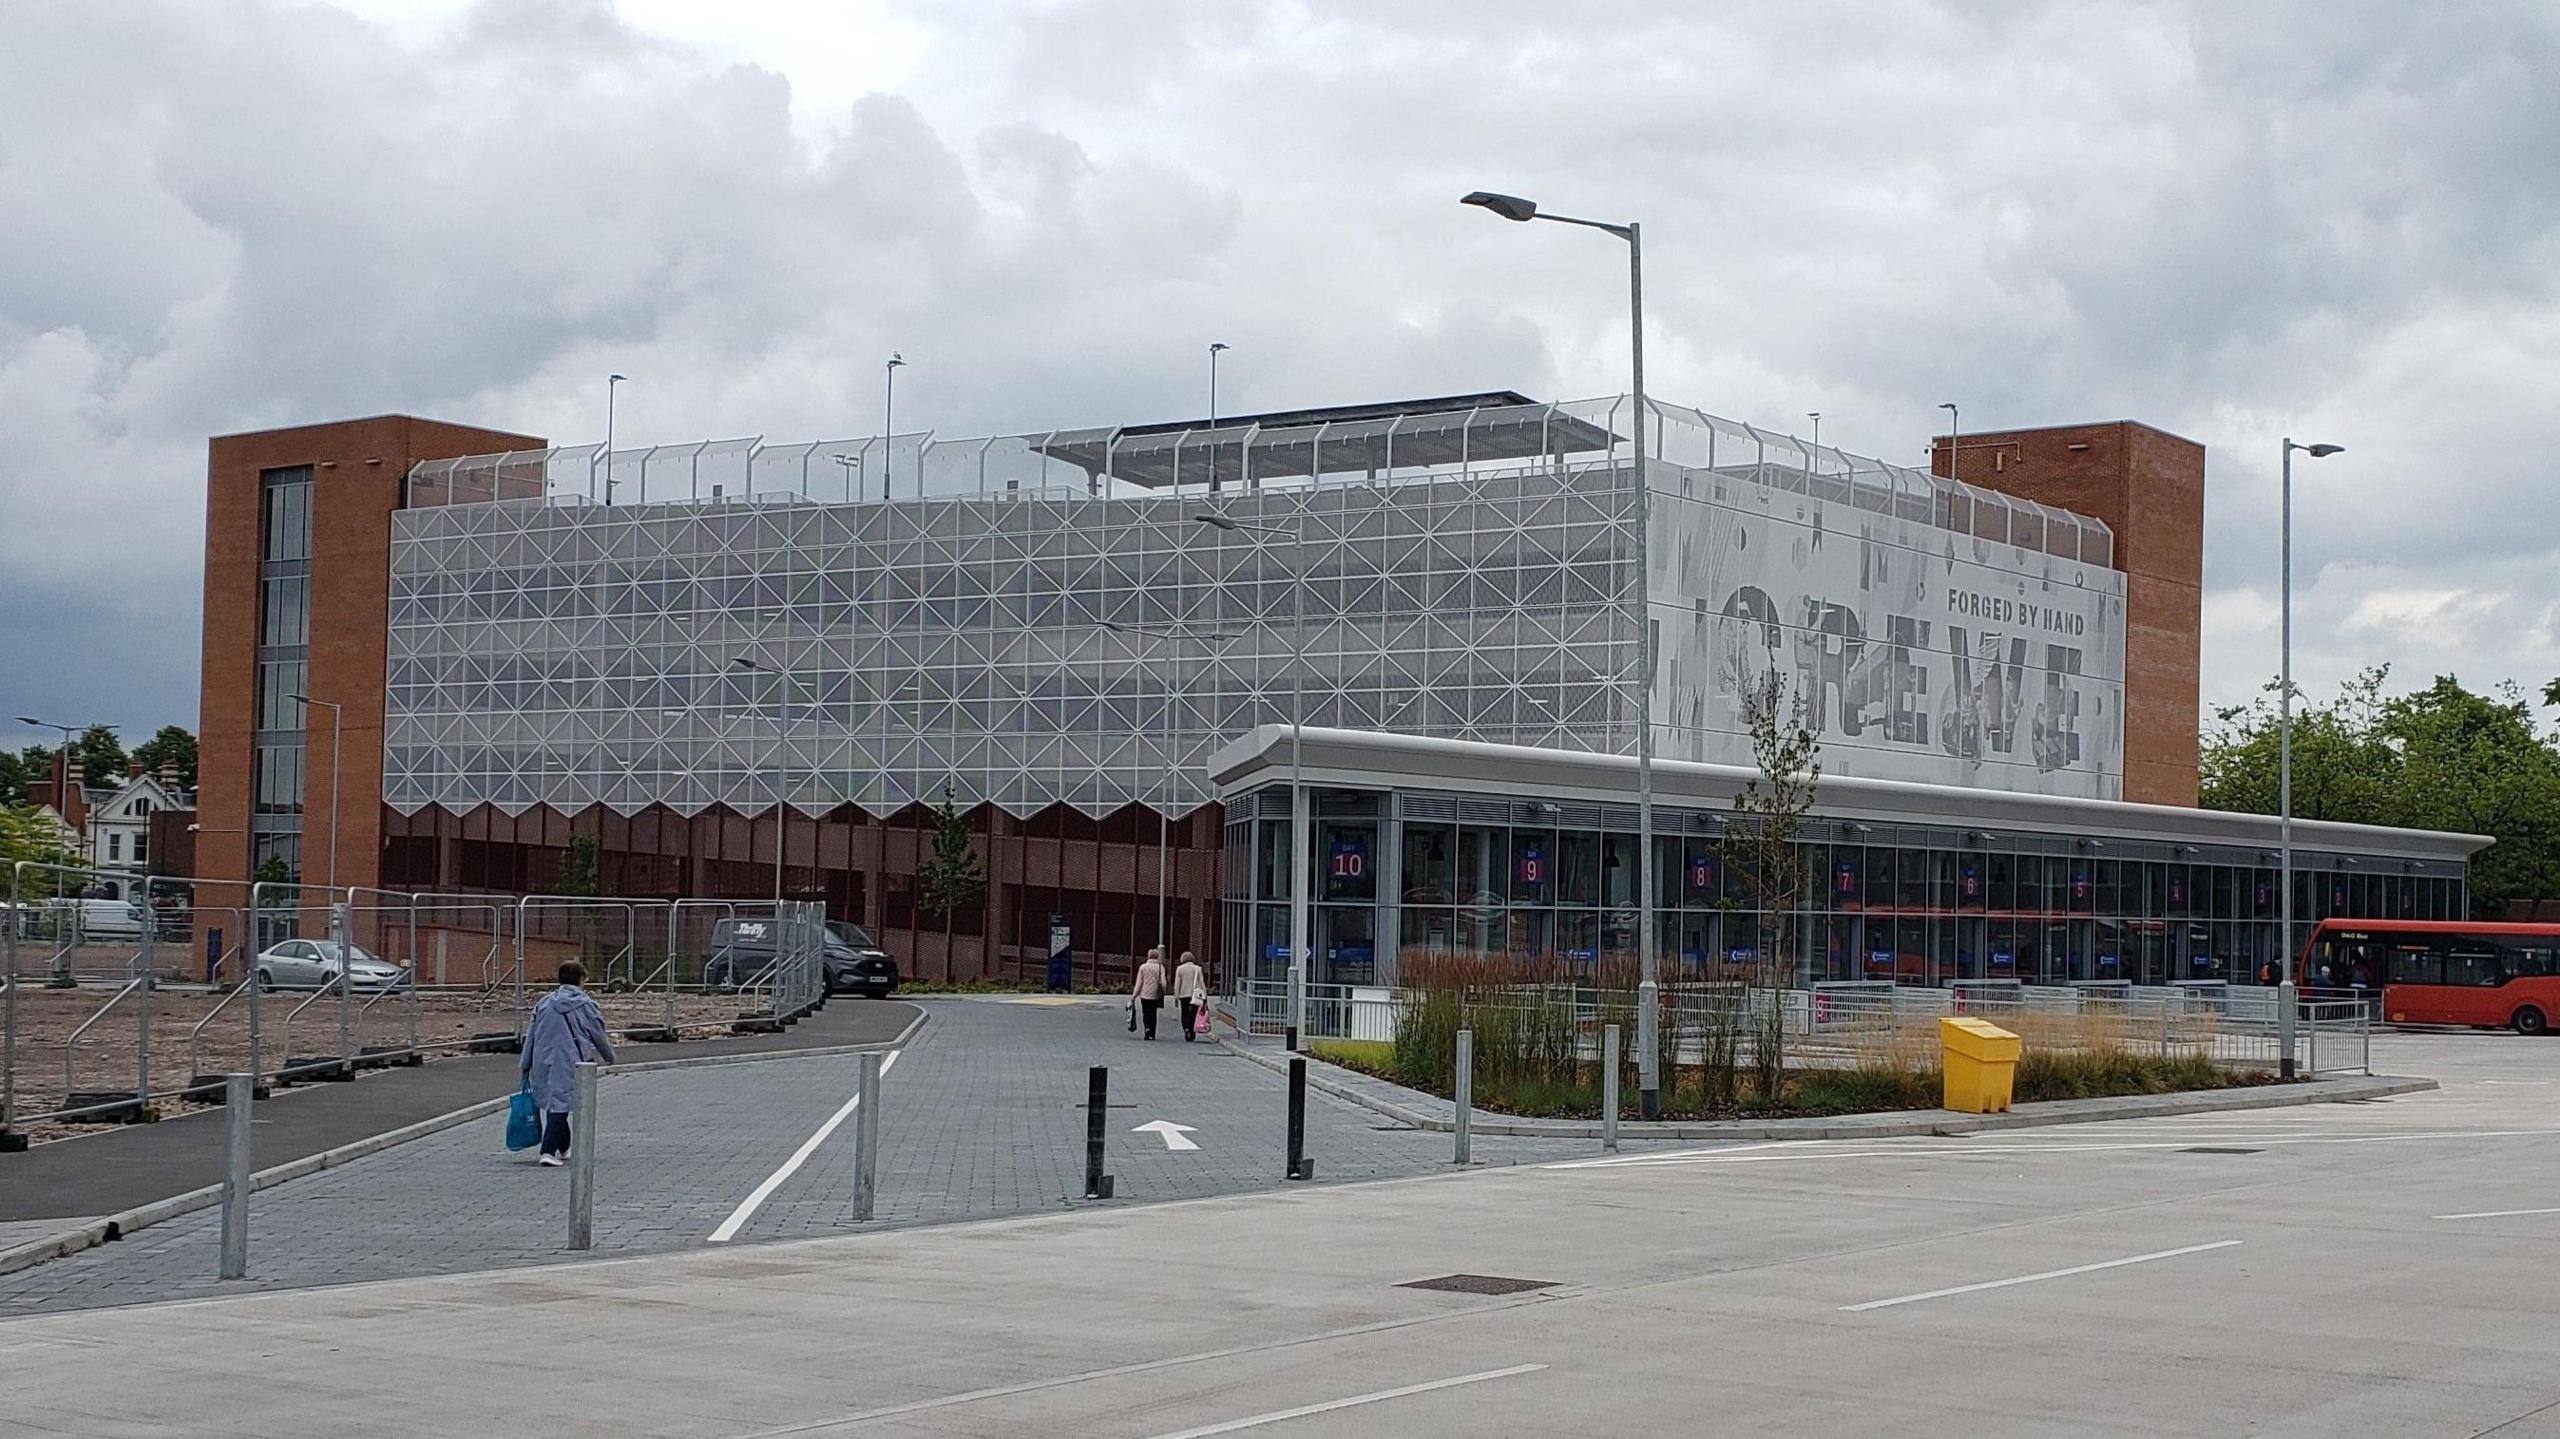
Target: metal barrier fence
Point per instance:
(1860, 1022)
(112, 1010)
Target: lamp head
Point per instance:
(1509, 207)
(2321, 452)
(896, 359)
(1948, 405)
(743, 663)
(615, 379)
(1215, 346)
(1217, 521)
(30, 719)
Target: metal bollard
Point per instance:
(1465, 1090)
(237, 1090)
(1298, 1166)
(866, 1138)
(1097, 1104)
(2285, 1002)
(1609, 1088)
(582, 1159)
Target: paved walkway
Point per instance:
(121, 1169)
(2324, 1272)
(983, 1115)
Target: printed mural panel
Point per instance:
(1922, 654)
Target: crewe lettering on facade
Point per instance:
(1880, 691)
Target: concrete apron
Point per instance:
(1431, 1112)
(112, 1227)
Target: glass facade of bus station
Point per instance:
(1401, 874)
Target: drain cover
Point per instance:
(2217, 1149)
(1480, 1284)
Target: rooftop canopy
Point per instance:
(1369, 440)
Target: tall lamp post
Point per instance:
(1301, 813)
(1215, 349)
(609, 382)
(1173, 697)
(1648, 984)
(889, 421)
(2285, 987)
(337, 931)
(781, 809)
(852, 467)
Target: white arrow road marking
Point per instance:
(1175, 1136)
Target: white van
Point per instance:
(101, 919)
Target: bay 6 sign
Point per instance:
(1920, 653)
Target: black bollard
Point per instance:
(1298, 1166)
(1097, 1096)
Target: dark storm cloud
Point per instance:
(2231, 221)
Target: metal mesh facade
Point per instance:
(1467, 574)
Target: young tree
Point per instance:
(102, 757)
(172, 744)
(577, 873)
(950, 879)
(1765, 863)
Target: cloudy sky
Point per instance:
(2232, 220)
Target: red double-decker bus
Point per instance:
(2492, 976)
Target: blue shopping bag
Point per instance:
(524, 1127)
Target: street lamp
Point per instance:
(852, 467)
(1955, 431)
(1173, 696)
(609, 382)
(337, 731)
(889, 423)
(1301, 816)
(2285, 988)
(337, 928)
(1215, 349)
(1648, 985)
(62, 800)
(781, 814)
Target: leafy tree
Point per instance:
(577, 874)
(102, 756)
(2442, 758)
(2551, 693)
(950, 879)
(28, 835)
(173, 744)
(13, 779)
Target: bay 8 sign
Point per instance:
(1921, 654)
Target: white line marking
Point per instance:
(2495, 1214)
(738, 1217)
(1256, 1421)
(2033, 1278)
(1175, 1136)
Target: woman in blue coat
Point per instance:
(567, 1029)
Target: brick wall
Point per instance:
(357, 466)
(2148, 486)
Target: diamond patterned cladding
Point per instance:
(571, 655)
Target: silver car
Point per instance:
(314, 964)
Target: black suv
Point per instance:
(742, 951)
